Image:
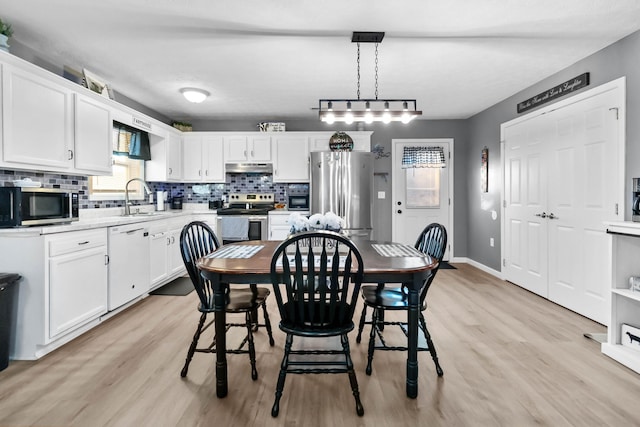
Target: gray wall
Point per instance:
(617, 60)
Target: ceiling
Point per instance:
(273, 60)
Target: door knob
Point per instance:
(542, 215)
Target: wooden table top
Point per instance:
(260, 262)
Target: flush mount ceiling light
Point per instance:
(372, 109)
(194, 95)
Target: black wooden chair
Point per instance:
(433, 242)
(197, 240)
(316, 278)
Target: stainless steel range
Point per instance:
(246, 218)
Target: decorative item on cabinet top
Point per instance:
(96, 84)
(340, 141)
(271, 127)
(182, 126)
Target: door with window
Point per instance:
(421, 172)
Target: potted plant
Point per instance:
(5, 32)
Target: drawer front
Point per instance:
(76, 241)
(279, 219)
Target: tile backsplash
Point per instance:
(191, 192)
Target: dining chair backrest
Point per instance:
(433, 242)
(320, 273)
(197, 239)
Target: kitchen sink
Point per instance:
(134, 214)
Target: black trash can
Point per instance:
(8, 294)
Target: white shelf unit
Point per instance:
(624, 240)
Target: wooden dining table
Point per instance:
(249, 262)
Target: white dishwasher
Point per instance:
(128, 263)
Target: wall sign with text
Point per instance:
(555, 92)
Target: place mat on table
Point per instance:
(236, 251)
(395, 250)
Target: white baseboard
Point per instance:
(479, 266)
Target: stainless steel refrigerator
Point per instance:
(342, 182)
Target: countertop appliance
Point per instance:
(176, 202)
(27, 206)
(635, 210)
(246, 217)
(298, 196)
(342, 182)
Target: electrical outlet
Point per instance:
(491, 242)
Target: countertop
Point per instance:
(93, 218)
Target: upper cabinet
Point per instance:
(45, 126)
(290, 158)
(203, 157)
(37, 122)
(319, 141)
(166, 158)
(247, 148)
(93, 133)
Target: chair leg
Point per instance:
(372, 340)
(252, 348)
(361, 324)
(283, 374)
(267, 324)
(194, 344)
(352, 374)
(432, 348)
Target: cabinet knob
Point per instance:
(399, 211)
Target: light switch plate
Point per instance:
(381, 195)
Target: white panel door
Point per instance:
(526, 201)
(583, 171)
(420, 195)
(559, 193)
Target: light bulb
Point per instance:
(368, 115)
(406, 117)
(348, 116)
(386, 116)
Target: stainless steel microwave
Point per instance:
(298, 198)
(23, 207)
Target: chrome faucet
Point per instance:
(127, 203)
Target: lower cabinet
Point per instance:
(77, 279)
(279, 224)
(63, 287)
(164, 250)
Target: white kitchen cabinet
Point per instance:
(129, 263)
(37, 121)
(290, 158)
(319, 141)
(166, 158)
(77, 265)
(63, 289)
(174, 256)
(93, 136)
(624, 238)
(158, 252)
(203, 157)
(255, 148)
(278, 224)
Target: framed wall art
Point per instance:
(484, 170)
(96, 84)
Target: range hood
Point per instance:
(249, 168)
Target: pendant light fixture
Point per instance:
(367, 110)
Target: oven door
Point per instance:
(235, 228)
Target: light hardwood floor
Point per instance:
(509, 357)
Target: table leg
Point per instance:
(412, 353)
(219, 297)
